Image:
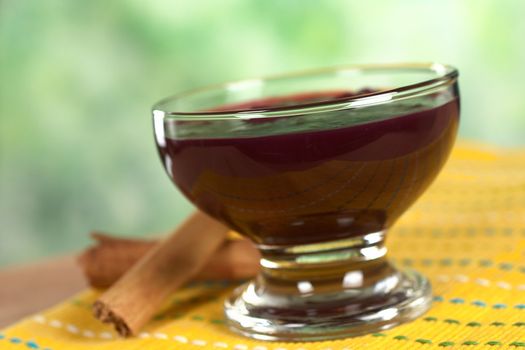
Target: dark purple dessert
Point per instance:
(290, 184)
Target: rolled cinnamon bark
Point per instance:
(134, 298)
(105, 262)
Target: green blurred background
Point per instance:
(77, 79)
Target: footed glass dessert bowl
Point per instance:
(314, 168)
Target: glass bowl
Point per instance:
(314, 168)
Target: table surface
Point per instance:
(55, 279)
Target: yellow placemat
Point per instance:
(467, 234)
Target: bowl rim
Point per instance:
(445, 75)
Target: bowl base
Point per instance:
(272, 314)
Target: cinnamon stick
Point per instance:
(105, 262)
(131, 302)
